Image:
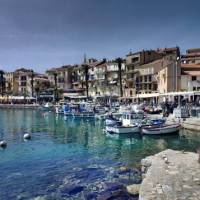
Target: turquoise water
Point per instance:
(72, 159)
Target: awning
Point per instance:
(180, 93)
(150, 95)
(75, 97)
(21, 98)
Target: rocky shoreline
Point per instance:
(170, 175)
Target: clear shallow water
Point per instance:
(71, 159)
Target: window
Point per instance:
(194, 78)
(23, 78)
(23, 84)
(145, 79)
(131, 93)
(149, 86)
(155, 87)
(136, 59)
(150, 78)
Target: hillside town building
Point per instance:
(142, 74)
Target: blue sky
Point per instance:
(40, 34)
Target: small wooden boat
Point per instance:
(160, 129)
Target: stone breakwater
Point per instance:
(171, 175)
(191, 124)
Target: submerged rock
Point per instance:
(124, 170)
(133, 189)
(71, 189)
(104, 195)
(90, 196)
(113, 186)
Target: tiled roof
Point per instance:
(193, 50)
(62, 68)
(151, 63)
(190, 66)
(191, 73)
(191, 55)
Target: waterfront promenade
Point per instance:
(18, 106)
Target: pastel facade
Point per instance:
(153, 72)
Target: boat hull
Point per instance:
(160, 130)
(122, 130)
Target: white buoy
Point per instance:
(27, 136)
(3, 144)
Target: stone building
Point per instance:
(192, 56)
(86, 76)
(113, 82)
(169, 76)
(190, 77)
(60, 80)
(102, 77)
(153, 71)
(61, 76)
(133, 61)
(12, 83)
(24, 77)
(41, 84)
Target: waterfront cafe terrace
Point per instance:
(16, 99)
(162, 97)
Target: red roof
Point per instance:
(197, 66)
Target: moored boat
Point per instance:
(129, 123)
(160, 129)
(47, 107)
(111, 120)
(122, 129)
(153, 110)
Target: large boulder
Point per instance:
(171, 175)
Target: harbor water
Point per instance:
(71, 158)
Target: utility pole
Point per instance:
(119, 61)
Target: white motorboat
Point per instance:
(160, 129)
(122, 129)
(128, 124)
(111, 120)
(48, 107)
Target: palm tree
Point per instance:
(2, 82)
(55, 87)
(37, 89)
(86, 74)
(119, 61)
(32, 76)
